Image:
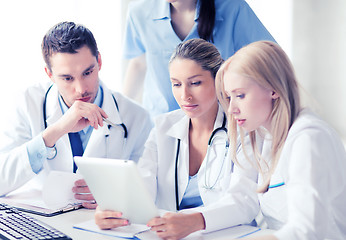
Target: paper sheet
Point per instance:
(144, 233)
(57, 189)
(123, 232)
(56, 192)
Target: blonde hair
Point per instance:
(267, 64)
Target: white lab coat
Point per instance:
(157, 166)
(311, 203)
(27, 124)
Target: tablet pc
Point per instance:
(117, 185)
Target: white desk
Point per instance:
(64, 222)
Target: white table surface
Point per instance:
(64, 222)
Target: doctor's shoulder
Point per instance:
(130, 111)
(140, 12)
(137, 7)
(166, 120)
(230, 5)
(32, 97)
(228, 9)
(25, 105)
(36, 91)
(310, 135)
(309, 123)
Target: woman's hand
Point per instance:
(109, 219)
(177, 225)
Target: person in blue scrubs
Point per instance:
(155, 27)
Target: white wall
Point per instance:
(276, 15)
(313, 34)
(23, 24)
(319, 56)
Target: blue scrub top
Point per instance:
(149, 31)
(192, 197)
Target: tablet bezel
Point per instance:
(117, 185)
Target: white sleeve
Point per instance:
(144, 126)
(238, 206)
(15, 168)
(148, 164)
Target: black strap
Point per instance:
(121, 124)
(223, 127)
(116, 103)
(44, 107)
(176, 176)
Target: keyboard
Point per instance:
(15, 224)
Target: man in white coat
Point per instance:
(39, 137)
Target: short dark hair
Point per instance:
(67, 37)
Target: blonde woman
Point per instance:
(303, 162)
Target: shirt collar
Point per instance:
(163, 11)
(98, 101)
(181, 126)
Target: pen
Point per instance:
(109, 122)
(140, 232)
(276, 185)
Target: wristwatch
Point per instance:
(52, 152)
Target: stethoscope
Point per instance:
(210, 142)
(109, 126)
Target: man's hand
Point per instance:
(174, 226)
(78, 116)
(82, 192)
(109, 219)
